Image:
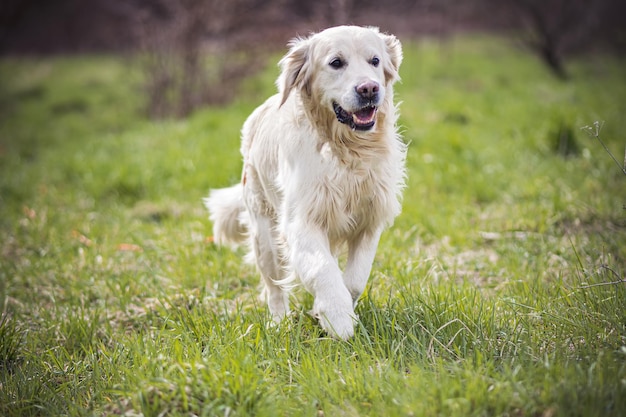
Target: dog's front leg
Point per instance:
(312, 260)
(361, 252)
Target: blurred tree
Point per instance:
(555, 28)
(192, 56)
(325, 13)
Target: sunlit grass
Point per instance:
(499, 291)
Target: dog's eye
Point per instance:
(375, 61)
(336, 63)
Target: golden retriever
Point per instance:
(323, 167)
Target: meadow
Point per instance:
(499, 291)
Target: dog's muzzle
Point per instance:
(362, 119)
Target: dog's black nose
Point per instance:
(367, 89)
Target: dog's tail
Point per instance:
(228, 214)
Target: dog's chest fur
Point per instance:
(350, 196)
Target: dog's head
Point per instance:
(347, 70)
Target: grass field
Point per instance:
(499, 290)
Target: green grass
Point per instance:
(495, 293)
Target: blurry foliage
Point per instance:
(191, 57)
(554, 29)
(196, 52)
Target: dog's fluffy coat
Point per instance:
(323, 166)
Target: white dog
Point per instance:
(323, 166)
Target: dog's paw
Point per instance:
(338, 321)
(277, 301)
(278, 311)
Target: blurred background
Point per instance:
(174, 35)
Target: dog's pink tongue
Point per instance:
(365, 115)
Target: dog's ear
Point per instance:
(294, 67)
(394, 51)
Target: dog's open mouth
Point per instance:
(362, 119)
